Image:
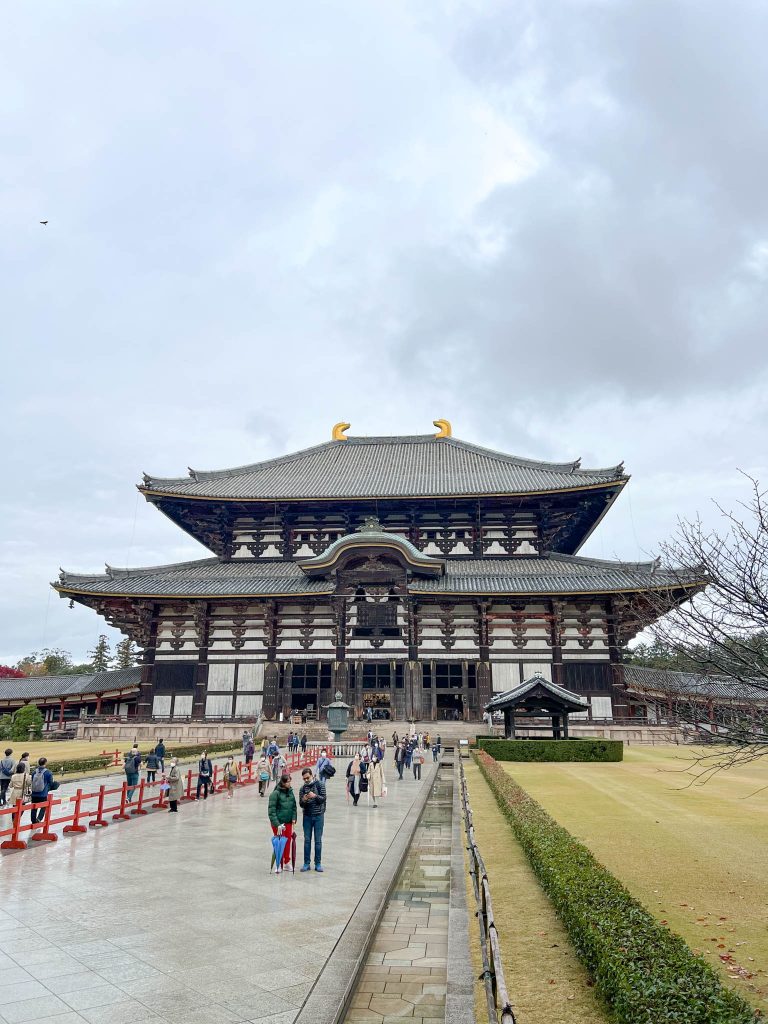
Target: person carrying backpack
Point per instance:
(7, 768)
(324, 770)
(41, 784)
(204, 775)
(263, 774)
(131, 765)
(160, 751)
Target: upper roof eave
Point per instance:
(471, 471)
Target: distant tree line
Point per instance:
(53, 661)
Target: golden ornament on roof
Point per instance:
(445, 428)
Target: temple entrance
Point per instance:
(380, 704)
(304, 701)
(450, 707)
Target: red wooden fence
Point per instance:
(92, 810)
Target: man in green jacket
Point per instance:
(282, 816)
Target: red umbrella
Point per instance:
(293, 852)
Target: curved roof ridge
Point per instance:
(606, 563)
(113, 571)
(197, 475)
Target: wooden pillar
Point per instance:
(556, 613)
(618, 689)
(201, 613)
(61, 714)
(146, 687)
(98, 704)
(565, 726)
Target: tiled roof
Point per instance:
(385, 467)
(37, 687)
(517, 694)
(668, 682)
(210, 577)
(423, 564)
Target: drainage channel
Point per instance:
(405, 972)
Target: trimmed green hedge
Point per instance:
(552, 750)
(644, 972)
(89, 764)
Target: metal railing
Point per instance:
(497, 997)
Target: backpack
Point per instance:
(38, 781)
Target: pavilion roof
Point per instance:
(522, 575)
(689, 685)
(39, 687)
(386, 467)
(518, 694)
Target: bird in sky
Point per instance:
(43, 221)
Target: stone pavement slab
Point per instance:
(175, 917)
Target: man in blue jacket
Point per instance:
(312, 800)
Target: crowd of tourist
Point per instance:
(364, 777)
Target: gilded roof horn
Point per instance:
(337, 434)
(444, 428)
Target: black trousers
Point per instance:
(4, 784)
(174, 805)
(151, 775)
(38, 813)
(203, 783)
(417, 770)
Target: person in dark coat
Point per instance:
(204, 775)
(312, 799)
(160, 751)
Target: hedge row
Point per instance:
(88, 764)
(645, 973)
(552, 750)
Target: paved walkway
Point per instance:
(405, 976)
(176, 918)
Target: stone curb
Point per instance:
(460, 998)
(330, 995)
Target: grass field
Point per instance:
(695, 855)
(547, 983)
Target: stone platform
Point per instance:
(176, 918)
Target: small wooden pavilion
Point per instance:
(537, 698)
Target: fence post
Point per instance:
(46, 836)
(215, 780)
(14, 843)
(250, 773)
(76, 826)
(99, 821)
(121, 815)
(189, 784)
(139, 808)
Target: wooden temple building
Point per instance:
(418, 575)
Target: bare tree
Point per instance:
(720, 633)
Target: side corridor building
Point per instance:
(416, 575)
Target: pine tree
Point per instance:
(101, 656)
(126, 654)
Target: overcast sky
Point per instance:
(544, 221)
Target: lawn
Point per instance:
(547, 984)
(695, 855)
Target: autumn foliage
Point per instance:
(6, 672)
(644, 972)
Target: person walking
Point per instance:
(263, 774)
(160, 751)
(231, 775)
(131, 766)
(7, 768)
(400, 759)
(152, 762)
(19, 787)
(437, 747)
(175, 787)
(324, 770)
(408, 754)
(312, 799)
(304, 743)
(282, 816)
(204, 775)
(41, 784)
(249, 751)
(418, 761)
(353, 779)
(395, 739)
(376, 781)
